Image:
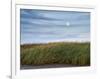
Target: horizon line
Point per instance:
(81, 41)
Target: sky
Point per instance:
(43, 26)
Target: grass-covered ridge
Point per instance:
(56, 53)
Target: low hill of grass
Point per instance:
(56, 53)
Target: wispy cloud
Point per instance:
(31, 14)
(43, 25)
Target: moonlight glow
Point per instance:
(67, 24)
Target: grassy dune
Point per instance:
(56, 53)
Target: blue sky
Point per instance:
(43, 26)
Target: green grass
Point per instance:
(56, 53)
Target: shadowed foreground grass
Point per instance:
(56, 53)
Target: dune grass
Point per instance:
(56, 53)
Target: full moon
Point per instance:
(67, 24)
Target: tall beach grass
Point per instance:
(73, 53)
